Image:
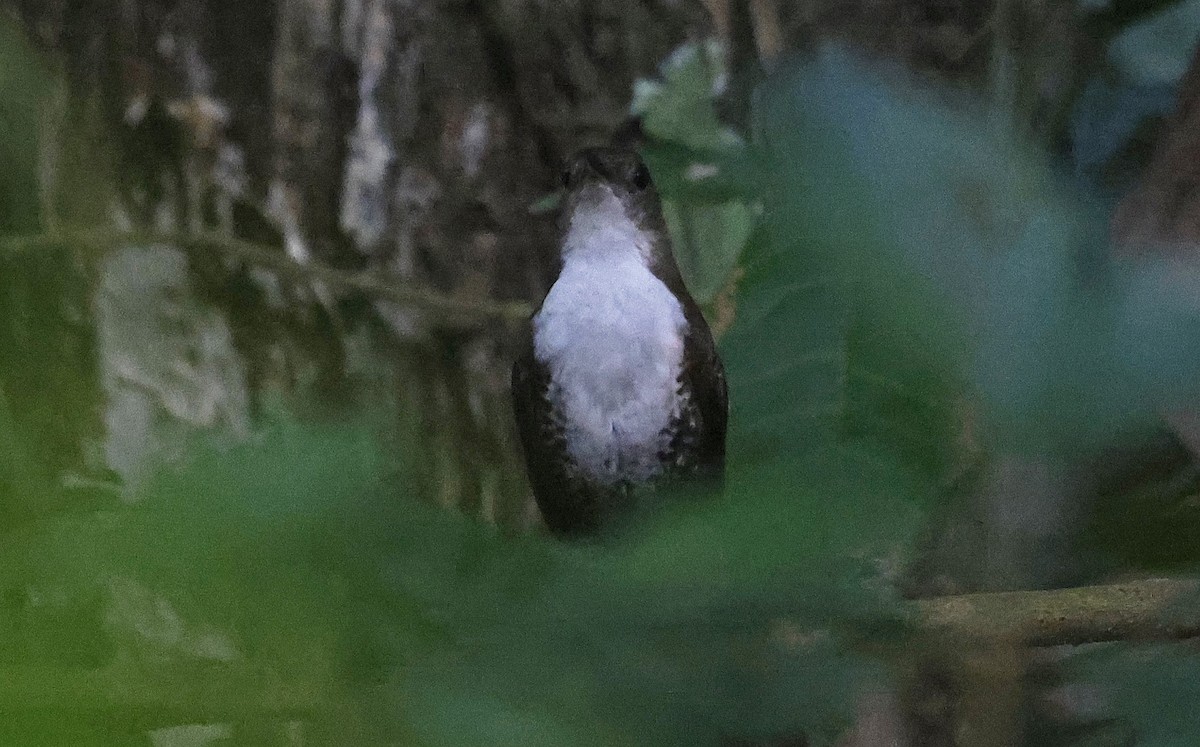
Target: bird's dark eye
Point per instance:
(641, 177)
(565, 178)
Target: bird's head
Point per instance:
(611, 207)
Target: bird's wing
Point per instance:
(702, 382)
(697, 433)
(569, 504)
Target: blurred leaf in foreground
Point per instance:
(944, 262)
(729, 619)
(966, 249)
(201, 603)
(283, 580)
(837, 336)
(50, 398)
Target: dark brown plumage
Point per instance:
(602, 352)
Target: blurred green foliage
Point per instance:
(284, 580)
(205, 601)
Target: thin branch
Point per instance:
(448, 309)
(1136, 610)
(768, 35)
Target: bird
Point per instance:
(619, 388)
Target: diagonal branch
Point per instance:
(1135, 610)
(446, 309)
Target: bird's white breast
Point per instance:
(611, 335)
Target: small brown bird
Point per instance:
(620, 387)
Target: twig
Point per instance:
(719, 12)
(1137, 610)
(451, 308)
(768, 35)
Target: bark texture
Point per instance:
(409, 135)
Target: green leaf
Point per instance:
(689, 153)
(710, 238)
(839, 338)
(680, 108)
